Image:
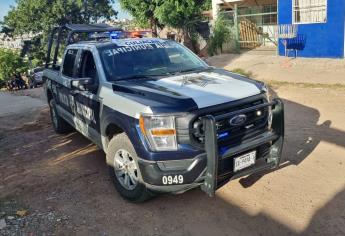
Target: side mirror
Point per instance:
(83, 84)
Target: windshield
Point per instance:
(144, 58)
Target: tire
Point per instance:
(59, 124)
(135, 190)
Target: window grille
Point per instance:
(309, 11)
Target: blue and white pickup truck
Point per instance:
(166, 120)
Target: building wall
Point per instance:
(321, 39)
(250, 3)
(14, 43)
(241, 3)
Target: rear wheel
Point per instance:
(124, 171)
(59, 124)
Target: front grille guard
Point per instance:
(211, 142)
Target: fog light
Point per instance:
(258, 113)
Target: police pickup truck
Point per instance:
(166, 120)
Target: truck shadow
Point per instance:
(330, 217)
(218, 216)
(303, 133)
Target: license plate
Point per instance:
(244, 161)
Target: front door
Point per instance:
(87, 105)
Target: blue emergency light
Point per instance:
(115, 35)
(223, 135)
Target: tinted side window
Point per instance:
(87, 67)
(68, 64)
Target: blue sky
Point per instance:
(5, 6)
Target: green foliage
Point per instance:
(143, 12)
(140, 10)
(139, 23)
(221, 35)
(207, 5)
(6, 30)
(11, 63)
(39, 16)
(179, 14)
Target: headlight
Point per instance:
(159, 132)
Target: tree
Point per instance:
(11, 63)
(40, 16)
(207, 5)
(37, 16)
(143, 12)
(221, 35)
(181, 14)
(6, 30)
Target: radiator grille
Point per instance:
(230, 134)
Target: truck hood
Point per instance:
(190, 91)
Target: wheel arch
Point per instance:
(112, 129)
(113, 122)
(111, 125)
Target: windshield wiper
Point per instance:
(198, 69)
(136, 77)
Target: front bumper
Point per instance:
(210, 170)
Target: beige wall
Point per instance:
(249, 2)
(216, 4)
(259, 2)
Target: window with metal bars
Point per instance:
(309, 11)
(269, 14)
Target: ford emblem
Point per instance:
(238, 120)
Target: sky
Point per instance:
(5, 7)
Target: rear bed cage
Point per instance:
(211, 143)
(73, 29)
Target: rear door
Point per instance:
(65, 98)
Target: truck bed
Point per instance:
(55, 75)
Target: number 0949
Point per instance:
(172, 179)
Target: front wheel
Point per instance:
(124, 171)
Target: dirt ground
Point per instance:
(265, 65)
(12, 104)
(61, 182)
